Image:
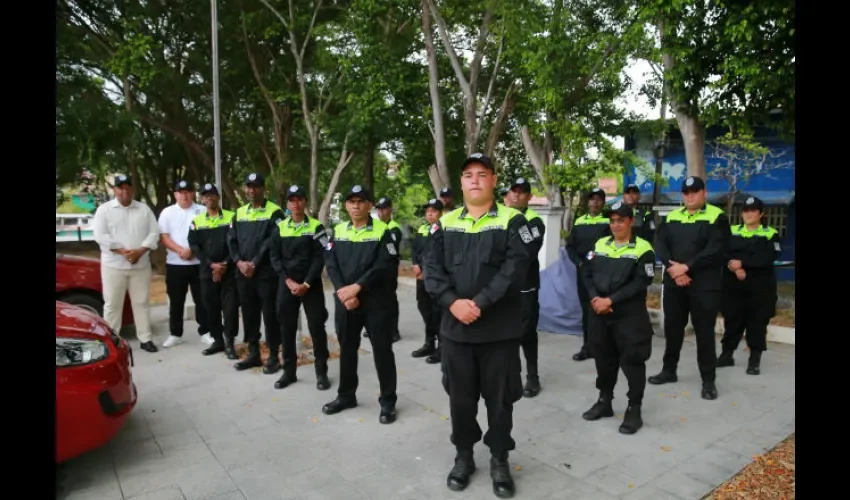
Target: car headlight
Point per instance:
(75, 352)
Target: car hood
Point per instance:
(73, 321)
(76, 260)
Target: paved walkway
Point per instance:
(203, 431)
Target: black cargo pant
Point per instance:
(491, 371)
(258, 299)
(377, 320)
(179, 280)
(584, 300)
(430, 311)
(703, 307)
(750, 311)
(221, 300)
(288, 308)
(622, 340)
(530, 316)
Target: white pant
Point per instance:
(116, 284)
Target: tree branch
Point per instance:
(447, 44)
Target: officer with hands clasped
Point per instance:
(749, 286)
(208, 242)
(297, 255)
(617, 273)
(476, 268)
(250, 234)
(385, 213)
(429, 309)
(359, 260)
(692, 243)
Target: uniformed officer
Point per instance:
(249, 238)
(617, 272)
(430, 310)
(359, 260)
(477, 267)
(644, 225)
(587, 230)
(208, 242)
(692, 243)
(297, 255)
(447, 198)
(385, 213)
(749, 286)
(518, 198)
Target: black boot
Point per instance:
(532, 386)
(632, 421)
(463, 469)
(388, 414)
(338, 405)
(215, 348)
(601, 408)
(426, 350)
(322, 381)
(664, 377)
(500, 473)
(754, 364)
(230, 349)
(709, 390)
(272, 365)
(725, 359)
(253, 360)
(583, 354)
(285, 380)
(435, 358)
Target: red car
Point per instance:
(78, 282)
(94, 386)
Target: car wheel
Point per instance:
(85, 301)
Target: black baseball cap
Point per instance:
(384, 202)
(434, 203)
(521, 182)
(622, 210)
(446, 191)
(122, 179)
(598, 192)
(753, 203)
(255, 179)
(296, 190)
(359, 191)
(478, 158)
(692, 183)
(183, 185)
(209, 188)
(632, 187)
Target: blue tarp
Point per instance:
(560, 311)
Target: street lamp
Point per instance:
(216, 121)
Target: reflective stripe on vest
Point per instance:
(605, 247)
(497, 219)
(251, 214)
(709, 213)
(204, 221)
(760, 232)
(373, 231)
(587, 219)
(289, 229)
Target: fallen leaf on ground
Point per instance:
(444, 417)
(683, 419)
(734, 403)
(686, 393)
(275, 399)
(666, 448)
(771, 475)
(631, 485)
(359, 419)
(314, 419)
(518, 467)
(250, 405)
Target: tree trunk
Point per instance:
(441, 168)
(344, 158)
(314, 169)
(693, 136)
(369, 165)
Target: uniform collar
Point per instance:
(368, 226)
(303, 222)
(220, 214)
(632, 241)
(588, 216)
(117, 204)
(261, 209)
(700, 211)
(493, 212)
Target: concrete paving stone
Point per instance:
(194, 432)
(682, 485)
(103, 491)
(649, 492)
(170, 493)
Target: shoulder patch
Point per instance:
(590, 255)
(391, 249)
(329, 245)
(776, 246)
(525, 234)
(650, 270)
(535, 231)
(434, 228)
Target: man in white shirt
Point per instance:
(126, 232)
(182, 269)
